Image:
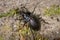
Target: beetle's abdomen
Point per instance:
(33, 24)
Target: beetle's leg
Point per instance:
(40, 19)
(24, 22)
(35, 7)
(44, 21)
(19, 19)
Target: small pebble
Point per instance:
(58, 20)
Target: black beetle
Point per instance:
(28, 16)
(33, 20)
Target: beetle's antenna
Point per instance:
(24, 6)
(35, 7)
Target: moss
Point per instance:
(25, 31)
(1, 38)
(38, 36)
(10, 13)
(52, 10)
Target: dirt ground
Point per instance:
(51, 30)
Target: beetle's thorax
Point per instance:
(26, 17)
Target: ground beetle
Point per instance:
(28, 16)
(33, 20)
